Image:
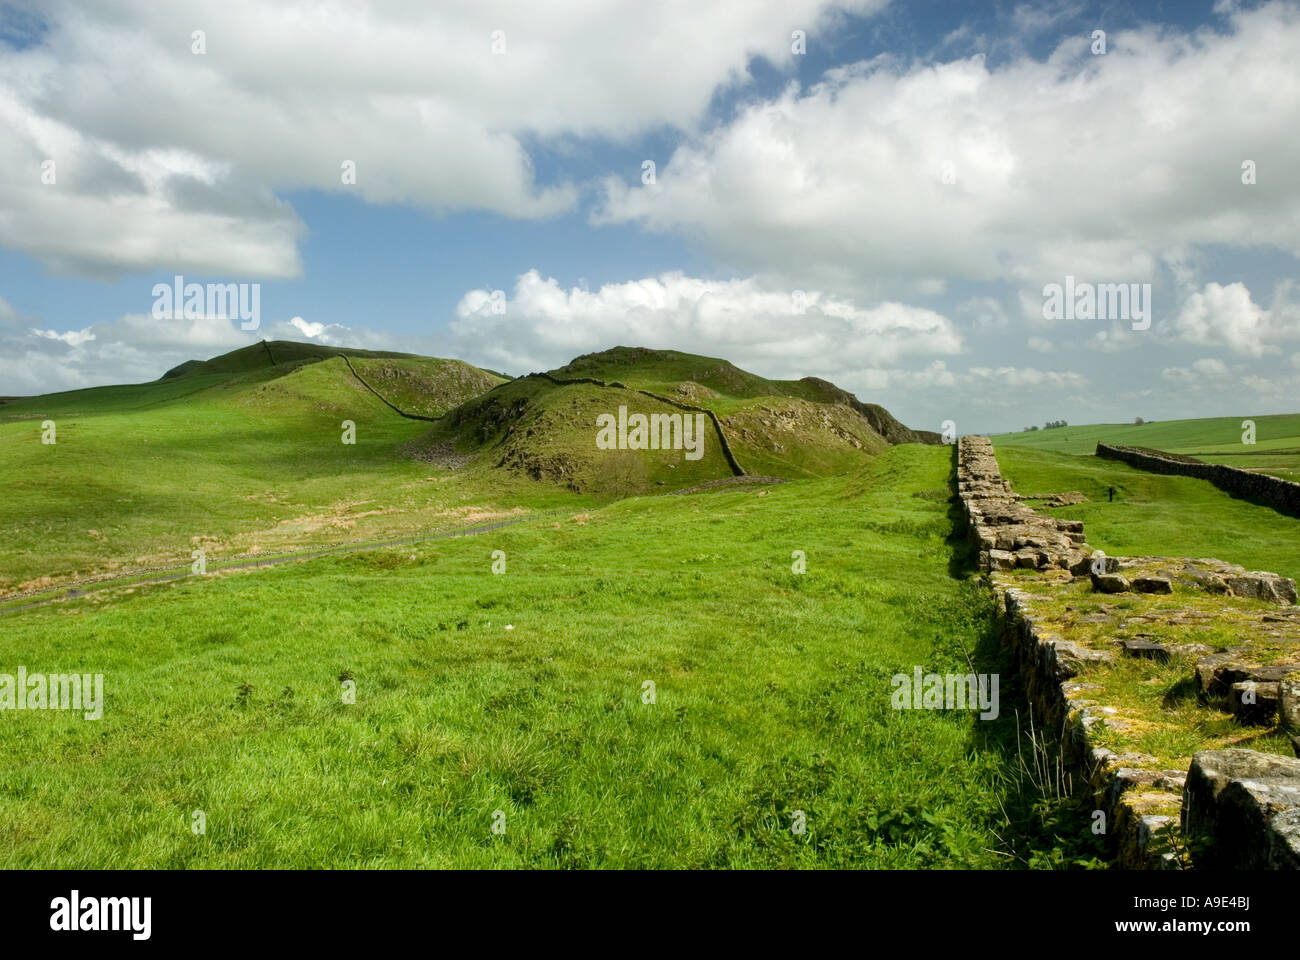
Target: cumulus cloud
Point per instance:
(787, 332)
(1093, 166)
(285, 94)
(1226, 315)
(308, 329)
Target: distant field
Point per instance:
(1276, 450)
(1154, 513)
(772, 699)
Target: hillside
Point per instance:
(243, 454)
(236, 456)
(1276, 449)
(544, 425)
(708, 378)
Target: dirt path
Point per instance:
(80, 588)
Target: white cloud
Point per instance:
(168, 158)
(308, 329)
(753, 326)
(1087, 165)
(1012, 377)
(1205, 370)
(1220, 315)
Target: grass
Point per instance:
(1154, 513)
(1276, 449)
(772, 697)
(536, 429)
(235, 464)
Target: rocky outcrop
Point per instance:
(1282, 495)
(1241, 810)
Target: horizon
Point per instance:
(1027, 427)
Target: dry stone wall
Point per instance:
(1209, 812)
(1282, 495)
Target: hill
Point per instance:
(235, 456)
(710, 378)
(545, 425)
(271, 353)
(244, 454)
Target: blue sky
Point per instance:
(916, 177)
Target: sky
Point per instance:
(878, 193)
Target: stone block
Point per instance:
(1241, 810)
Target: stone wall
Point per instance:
(1281, 495)
(1232, 820)
(1005, 533)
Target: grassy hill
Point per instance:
(725, 386)
(1276, 449)
(243, 454)
(545, 426)
(235, 456)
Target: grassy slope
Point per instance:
(1154, 513)
(547, 432)
(423, 385)
(772, 696)
(250, 461)
(1276, 449)
(778, 428)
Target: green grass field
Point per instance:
(1276, 449)
(520, 698)
(772, 696)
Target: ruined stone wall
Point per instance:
(1282, 495)
(1252, 822)
(1009, 535)
(1005, 533)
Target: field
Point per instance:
(1276, 449)
(524, 692)
(626, 668)
(1153, 513)
(1156, 514)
